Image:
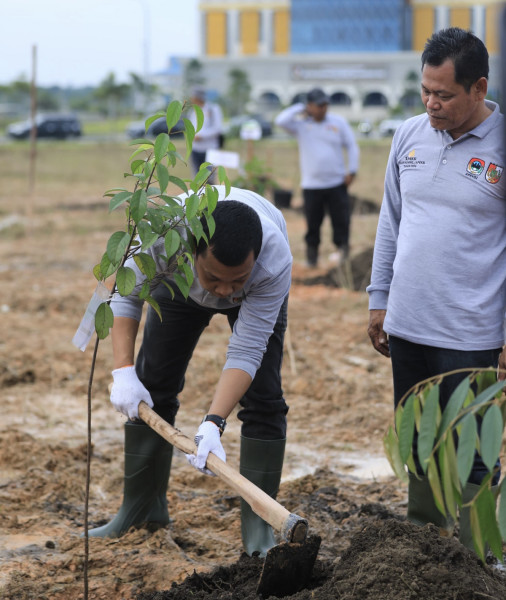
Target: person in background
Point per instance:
(437, 296)
(245, 274)
(210, 136)
(326, 175)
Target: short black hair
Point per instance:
(238, 232)
(467, 52)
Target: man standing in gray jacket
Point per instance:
(438, 284)
(245, 274)
(326, 175)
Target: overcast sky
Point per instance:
(79, 42)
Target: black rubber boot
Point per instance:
(465, 534)
(312, 256)
(422, 508)
(261, 463)
(148, 458)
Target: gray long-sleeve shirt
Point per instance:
(321, 145)
(260, 299)
(439, 266)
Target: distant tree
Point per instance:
(193, 76)
(142, 92)
(238, 93)
(112, 95)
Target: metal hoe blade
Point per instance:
(288, 567)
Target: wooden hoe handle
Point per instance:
(292, 527)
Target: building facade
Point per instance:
(364, 53)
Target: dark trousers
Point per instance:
(167, 348)
(412, 363)
(336, 202)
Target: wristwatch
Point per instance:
(220, 422)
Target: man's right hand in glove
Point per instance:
(127, 392)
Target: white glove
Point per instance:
(207, 440)
(127, 391)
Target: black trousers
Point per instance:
(412, 363)
(167, 348)
(336, 202)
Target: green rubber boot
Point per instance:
(465, 534)
(148, 459)
(261, 462)
(421, 506)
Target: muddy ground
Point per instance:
(335, 473)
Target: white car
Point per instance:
(389, 126)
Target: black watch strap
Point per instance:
(220, 422)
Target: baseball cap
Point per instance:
(317, 96)
(198, 92)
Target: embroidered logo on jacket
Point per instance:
(409, 160)
(493, 173)
(475, 166)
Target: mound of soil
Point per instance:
(387, 560)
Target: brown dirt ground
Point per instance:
(339, 391)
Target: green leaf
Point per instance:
(488, 394)
(451, 455)
(172, 242)
(144, 291)
(97, 272)
(169, 287)
(211, 198)
(502, 509)
(107, 268)
(153, 118)
(173, 113)
(179, 182)
(189, 135)
(137, 166)
(188, 273)
(119, 199)
(428, 426)
(182, 284)
(148, 237)
(199, 114)
(466, 447)
(447, 481)
(491, 436)
(117, 246)
(146, 264)
(125, 281)
(485, 505)
(211, 225)
(104, 319)
(196, 229)
(192, 206)
(142, 148)
(161, 146)
(143, 141)
(433, 475)
(162, 174)
(406, 430)
(154, 305)
(138, 205)
(454, 405)
(391, 446)
(478, 539)
(200, 178)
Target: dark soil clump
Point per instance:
(387, 560)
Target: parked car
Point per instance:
(48, 126)
(389, 126)
(137, 129)
(233, 126)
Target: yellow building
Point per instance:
(262, 27)
(481, 17)
(244, 28)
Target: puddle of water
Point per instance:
(363, 466)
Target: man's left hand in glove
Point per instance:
(207, 440)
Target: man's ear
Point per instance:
(481, 88)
